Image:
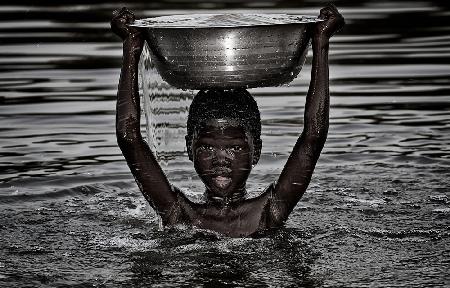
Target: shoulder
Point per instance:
(179, 210)
(273, 213)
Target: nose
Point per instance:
(222, 155)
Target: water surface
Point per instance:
(377, 210)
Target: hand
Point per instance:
(333, 22)
(119, 24)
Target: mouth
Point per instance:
(221, 171)
(222, 181)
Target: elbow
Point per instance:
(318, 136)
(315, 142)
(128, 131)
(316, 128)
(127, 138)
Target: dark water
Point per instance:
(375, 215)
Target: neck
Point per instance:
(236, 197)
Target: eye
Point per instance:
(206, 147)
(236, 148)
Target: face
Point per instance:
(223, 155)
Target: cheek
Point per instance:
(247, 154)
(202, 156)
(243, 161)
(202, 160)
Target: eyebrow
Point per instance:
(231, 140)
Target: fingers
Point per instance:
(125, 14)
(333, 21)
(118, 11)
(130, 17)
(325, 13)
(120, 23)
(328, 11)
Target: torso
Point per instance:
(243, 219)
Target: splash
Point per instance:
(166, 109)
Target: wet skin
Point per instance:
(223, 155)
(222, 151)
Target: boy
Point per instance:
(224, 144)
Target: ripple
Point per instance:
(377, 207)
(407, 235)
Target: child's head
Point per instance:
(223, 138)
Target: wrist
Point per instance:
(133, 45)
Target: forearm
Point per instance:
(143, 164)
(297, 172)
(128, 106)
(316, 117)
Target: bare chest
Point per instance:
(235, 221)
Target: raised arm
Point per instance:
(297, 172)
(143, 165)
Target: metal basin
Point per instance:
(237, 55)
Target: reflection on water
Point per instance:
(376, 212)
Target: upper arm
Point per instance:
(295, 177)
(143, 165)
(148, 174)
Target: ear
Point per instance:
(189, 147)
(257, 145)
